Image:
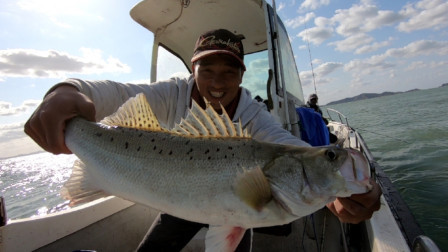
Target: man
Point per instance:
(218, 68)
(312, 103)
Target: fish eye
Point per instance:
(331, 154)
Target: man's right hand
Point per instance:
(46, 126)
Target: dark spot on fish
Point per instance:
(155, 147)
(140, 135)
(138, 149)
(230, 148)
(191, 158)
(190, 151)
(160, 152)
(141, 125)
(98, 134)
(209, 158)
(225, 156)
(126, 145)
(187, 142)
(152, 140)
(111, 139)
(207, 151)
(171, 152)
(217, 149)
(233, 154)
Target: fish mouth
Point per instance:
(356, 172)
(216, 94)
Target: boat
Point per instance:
(114, 224)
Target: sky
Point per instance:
(352, 47)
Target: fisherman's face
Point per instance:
(218, 78)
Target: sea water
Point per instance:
(407, 134)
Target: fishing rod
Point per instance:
(311, 60)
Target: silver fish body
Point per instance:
(213, 180)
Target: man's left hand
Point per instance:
(358, 207)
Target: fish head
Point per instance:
(337, 172)
(311, 177)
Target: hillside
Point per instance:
(364, 96)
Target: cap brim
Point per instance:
(213, 52)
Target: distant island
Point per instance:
(364, 96)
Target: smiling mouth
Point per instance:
(215, 94)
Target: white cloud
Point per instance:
(316, 35)
(54, 64)
(6, 108)
(362, 67)
(256, 75)
(353, 23)
(363, 18)
(321, 73)
(352, 42)
(425, 14)
(281, 5)
(313, 4)
(416, 65)
(382, 63)
(418, 48)
(300, 20)
(373, 47)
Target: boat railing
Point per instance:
(2, 212)
(339, 115)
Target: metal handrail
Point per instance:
(340, 115)
(3, 217)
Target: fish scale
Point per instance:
(215, 179)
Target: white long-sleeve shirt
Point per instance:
(170, 101)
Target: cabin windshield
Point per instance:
(288, 63)
(255, 78)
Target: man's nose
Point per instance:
(218, 80)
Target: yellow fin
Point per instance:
(134, 113)
(208, 123)
(253, 188)
(80, 187)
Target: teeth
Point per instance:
(216, 94)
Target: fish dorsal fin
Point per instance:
(134, 113)
(208, 123)
(137, 113)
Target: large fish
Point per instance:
(206, 170)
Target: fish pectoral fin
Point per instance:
(253, 188)
(78, 189)
(224, 238)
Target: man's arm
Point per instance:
(358, 207)
(47, 124)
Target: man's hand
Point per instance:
(46, 125)
(358, 207)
